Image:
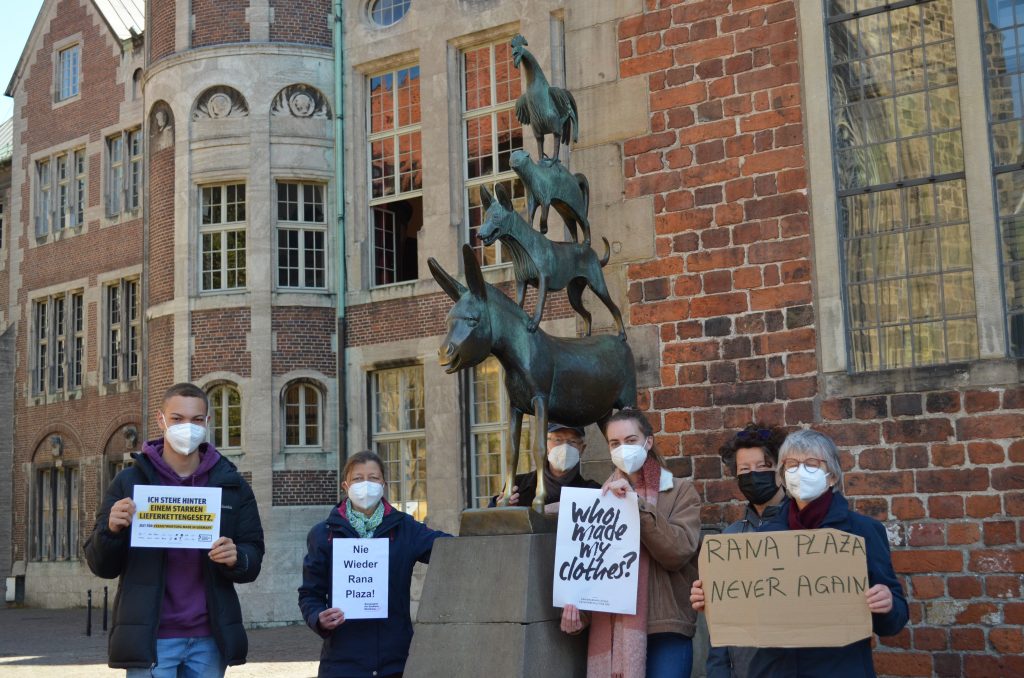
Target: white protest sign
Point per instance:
(171, 517)
(359, 579)
(597, 551)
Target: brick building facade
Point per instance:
(807, 229)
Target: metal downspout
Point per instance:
(338, 34)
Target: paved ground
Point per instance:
(53, 644)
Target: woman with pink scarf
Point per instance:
(656, 642)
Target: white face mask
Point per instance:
(563, 457)
(365, 494)
(629, 458)
(185, 438)
(806, 484)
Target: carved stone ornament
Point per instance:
(221, 102)
(300, 101)
(161, 125)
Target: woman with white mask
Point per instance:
(363, 647)
(656, 642)
(810, 470)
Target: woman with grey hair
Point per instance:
(810, 470)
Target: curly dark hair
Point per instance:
(755, 434)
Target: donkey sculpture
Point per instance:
(549, 184)
(545, 264)
(572, 381)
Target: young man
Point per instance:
(561, 469)
(178, 607)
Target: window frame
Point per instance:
(303, 387)
(831, 325)
(57, 492)
(220, 427)
(224, 230)
(400, 487)
(58, 343)
(68, 75)
(394, 134)
(496, 176)
(500, 426)
(302, 227)
(121, 356)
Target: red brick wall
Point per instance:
(219, 342)
(424, 316)
(305, 488)
(160, 28)
(82, 422)
(219, 21)
(303, 339)
(159, 367)
(301, 21)
(730, 291)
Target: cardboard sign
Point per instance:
(359, 578)
(596, 552)
(170, 517)
(802, 588)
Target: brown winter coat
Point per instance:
(671, 533)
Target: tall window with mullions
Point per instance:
(398, 418)
(902, 200)
(1002, 23)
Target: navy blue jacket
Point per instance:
(853, 660)
(365, 647)
(731, 661)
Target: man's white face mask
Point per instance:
(563, 457)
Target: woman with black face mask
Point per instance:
(750, 456)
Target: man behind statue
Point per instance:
(561, 469)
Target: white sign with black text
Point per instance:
(170, 517)
(597, 551)
(359, 581)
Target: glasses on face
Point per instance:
(554, 440)
(812, 465)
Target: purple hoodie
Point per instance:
(183, 613)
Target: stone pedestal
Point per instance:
(486, 605)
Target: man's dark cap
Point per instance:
(555, 426)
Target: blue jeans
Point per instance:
(669, 655)
(184, 658)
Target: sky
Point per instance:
(18, 17)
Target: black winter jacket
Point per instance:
(136, 613)
(365, 647)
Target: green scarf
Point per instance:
(364, 526)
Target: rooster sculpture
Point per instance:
(546, 109)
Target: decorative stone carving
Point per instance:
(301, 101)
(161, 126)
(220, 102)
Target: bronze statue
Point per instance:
(573, 381)
(548, 183)
(546, 109)
(549, 266)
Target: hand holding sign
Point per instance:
(596, 551)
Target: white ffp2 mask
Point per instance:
(563, 457)
(806, 485)
(365, 494)
(185, 438)
(629, 458)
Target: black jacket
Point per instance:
(136, 614)
(853, 660)
(527, 484)
(365, 647)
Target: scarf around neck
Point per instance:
(364, 526)
(810, 517)
(617, 647)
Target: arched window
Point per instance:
(225, 417)
(302, 415)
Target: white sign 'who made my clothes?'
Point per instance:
(597, 551)
(359, 577)
(171, 517)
